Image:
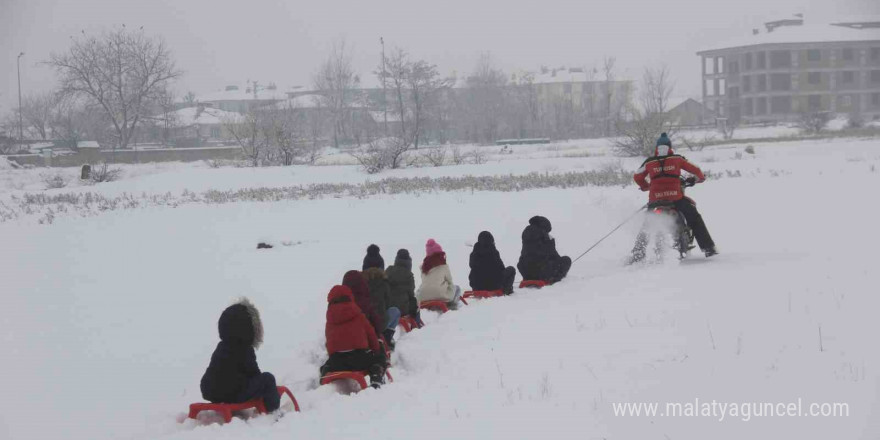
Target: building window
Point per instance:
(814, 78)
(733, 92)
(747, 107)
(780, 104)
(721, 86)
(814, 102)
(814, 55)
(780, 82)
(719, 64)
(710, 87)
(780, 59)
(748, 61)
(847, 77)
(761, 83)
(875, 54)
(733, 67)
(875, 76)
(848, 54)
(761, 106)
(747, 84)
(875, 99)
(761, 60)
(846, 101)
(709, 65)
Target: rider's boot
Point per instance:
(710, 251)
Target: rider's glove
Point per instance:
(691, 180)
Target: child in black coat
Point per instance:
(233, 375)
(487, 269)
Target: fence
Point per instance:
(92, 156)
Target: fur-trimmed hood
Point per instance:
(240, 323)
(374, 273)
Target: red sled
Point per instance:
(482, 293)
(226, 409)
(438, 305)
(358, 376)
(533, 284)
(408, 323)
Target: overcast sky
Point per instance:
(218, 43)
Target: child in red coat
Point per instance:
(351, 340)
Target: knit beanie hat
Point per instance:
(432, 247)
(373, 259)
(664, 145)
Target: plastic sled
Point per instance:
(482, 293)
(533, 284)
(358, 376)
(438, 305)
(408, 323)
(226, 409)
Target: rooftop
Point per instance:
(265, 92)
(200, 115)
(826, 30)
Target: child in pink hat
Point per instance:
(437, 281)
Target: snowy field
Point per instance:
(110, 319)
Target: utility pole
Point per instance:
(20, 119)
(384, 93)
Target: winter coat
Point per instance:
(355, 281)
(660, 175)
(403, 286)
(380, 291)
(437, 284)
(538, 258)
(347, 328)
(234, 360)
(487, 269)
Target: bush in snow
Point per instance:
(54, 181)
(104, 173)
(813, 122)
(750, 149)
(435, 156)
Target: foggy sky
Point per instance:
(218, 43)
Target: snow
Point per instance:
(111, 319)
(200, 115)
(820, 30)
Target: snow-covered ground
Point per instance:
(110, 320)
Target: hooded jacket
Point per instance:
(355, 281)
(402, 286)
(380, 291)
(538, 257)
(234, 360)
(660, 174)
(347, 328)
(437, 283)
(487, 269)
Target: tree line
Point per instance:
(114, 87)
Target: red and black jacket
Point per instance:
(660, 175)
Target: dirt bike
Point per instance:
(682, 235)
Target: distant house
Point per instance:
(243, 99)
(794, 66)
(189, 126)
(689, 113)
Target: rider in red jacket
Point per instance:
(351, 341)
(660, 175)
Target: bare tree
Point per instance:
(637, 136)
(37, 111)
(657, 88)
(608, 64)
(426, 87)
(249, 133)
(337, 84)
(395, 72)
(123, 71)
(73, 121)
(486, 99)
